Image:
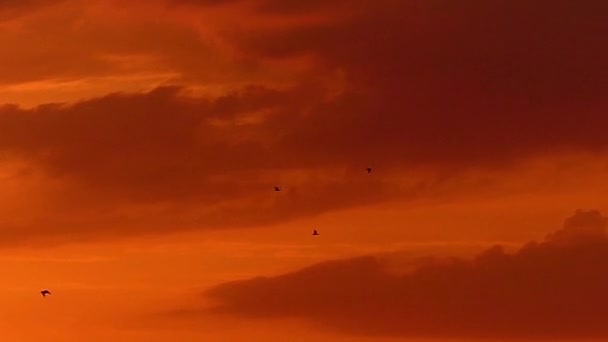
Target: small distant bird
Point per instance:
(45, 292)
(314, 232)
(369, 170)
(276, 188)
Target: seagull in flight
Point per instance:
(45, 292)
(369, 170)
(314, 232)
(276, 188)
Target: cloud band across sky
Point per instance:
(552, 289)
(266, 92)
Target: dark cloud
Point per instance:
(426, 84)
(158, 141)
(212, 161)
(584, 226)
(431, 82)
(475, 80)
(197, 159)
(505, 46)
(552, 289)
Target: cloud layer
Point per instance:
(552, 289)
(318, 91)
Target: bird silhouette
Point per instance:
(45, 292)
(276, 188)
(369, 170)
(314, 232)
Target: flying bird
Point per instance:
(45, 292)
(314, 232)
(369, 170)
(276, 188)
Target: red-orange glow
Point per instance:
(140, 143)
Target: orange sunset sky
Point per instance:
(140, 143)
